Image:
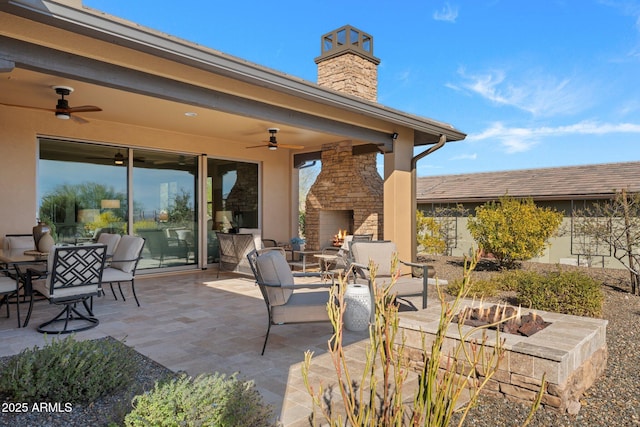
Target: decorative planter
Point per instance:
(38, 231)
(357, 313)
(45, 243)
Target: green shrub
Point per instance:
(67, 371)
(207, 400)
(569, 292)
(512, 229)
(476, 288)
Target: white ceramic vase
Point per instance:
(357, 314)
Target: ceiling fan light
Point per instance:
(118, 159)
(273, 147)
(62, 115)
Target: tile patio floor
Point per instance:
(192, 322)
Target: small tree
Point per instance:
(513, 229)
(617, 224)
(429, 234)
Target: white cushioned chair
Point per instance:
(9, 287)
(381, 254)
(277, 285)
(111, 240)
(73, 276)
(124, 262)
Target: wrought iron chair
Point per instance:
(276, 282)
(123, 264)
(9, 287)
(381, 253)
(73, 276)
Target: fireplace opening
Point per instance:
(330, 222)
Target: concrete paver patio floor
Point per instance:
(192, 322)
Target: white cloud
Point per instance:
(522, 139)
(447, 14)
(473, 156)
(538, 94)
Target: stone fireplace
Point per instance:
(347, 195)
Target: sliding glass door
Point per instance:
(165, 207)
(87, 189)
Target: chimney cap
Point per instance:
(346, 39)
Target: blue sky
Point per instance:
(534, 84)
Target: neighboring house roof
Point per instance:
(563, 183)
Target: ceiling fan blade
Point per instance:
(290, 146)
(28, 107)
(83, 109)
(79, 120)
(258, 146)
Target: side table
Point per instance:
(357, 312)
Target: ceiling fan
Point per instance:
(273, 142)
(62, 109)
(118, 159)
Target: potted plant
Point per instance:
(297, 244)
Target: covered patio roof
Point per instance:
(147, 78)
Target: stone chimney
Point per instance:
(348, 192)
(347, 64)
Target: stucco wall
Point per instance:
(18, 171)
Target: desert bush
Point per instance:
(477, 288)
(207, 400)
(569, 292)
(67, 371)
(512, 229)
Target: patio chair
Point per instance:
(111, 240)
(284, 304)
(124, 262)
(9, 287)
(381, 254)
(162, 247)
(73, 276)
(234, 249)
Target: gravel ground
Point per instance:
(614, 399)
(102, 412)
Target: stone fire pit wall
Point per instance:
(572, 351)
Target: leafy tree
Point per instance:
(513, 229)
(181, 211)
(617, 225)
(429, 234)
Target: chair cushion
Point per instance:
(303, 307)
(42, 286)
(111, 240)
(7, 285)
(274, 270)
(115, 275)
(381, 253)
(18, 242)
(129, 249)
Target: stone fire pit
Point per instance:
(570, 350)
(517, 323)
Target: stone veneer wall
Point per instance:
(346, 182)
(571, 353)
(351, 74)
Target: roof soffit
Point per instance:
(128, 35)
